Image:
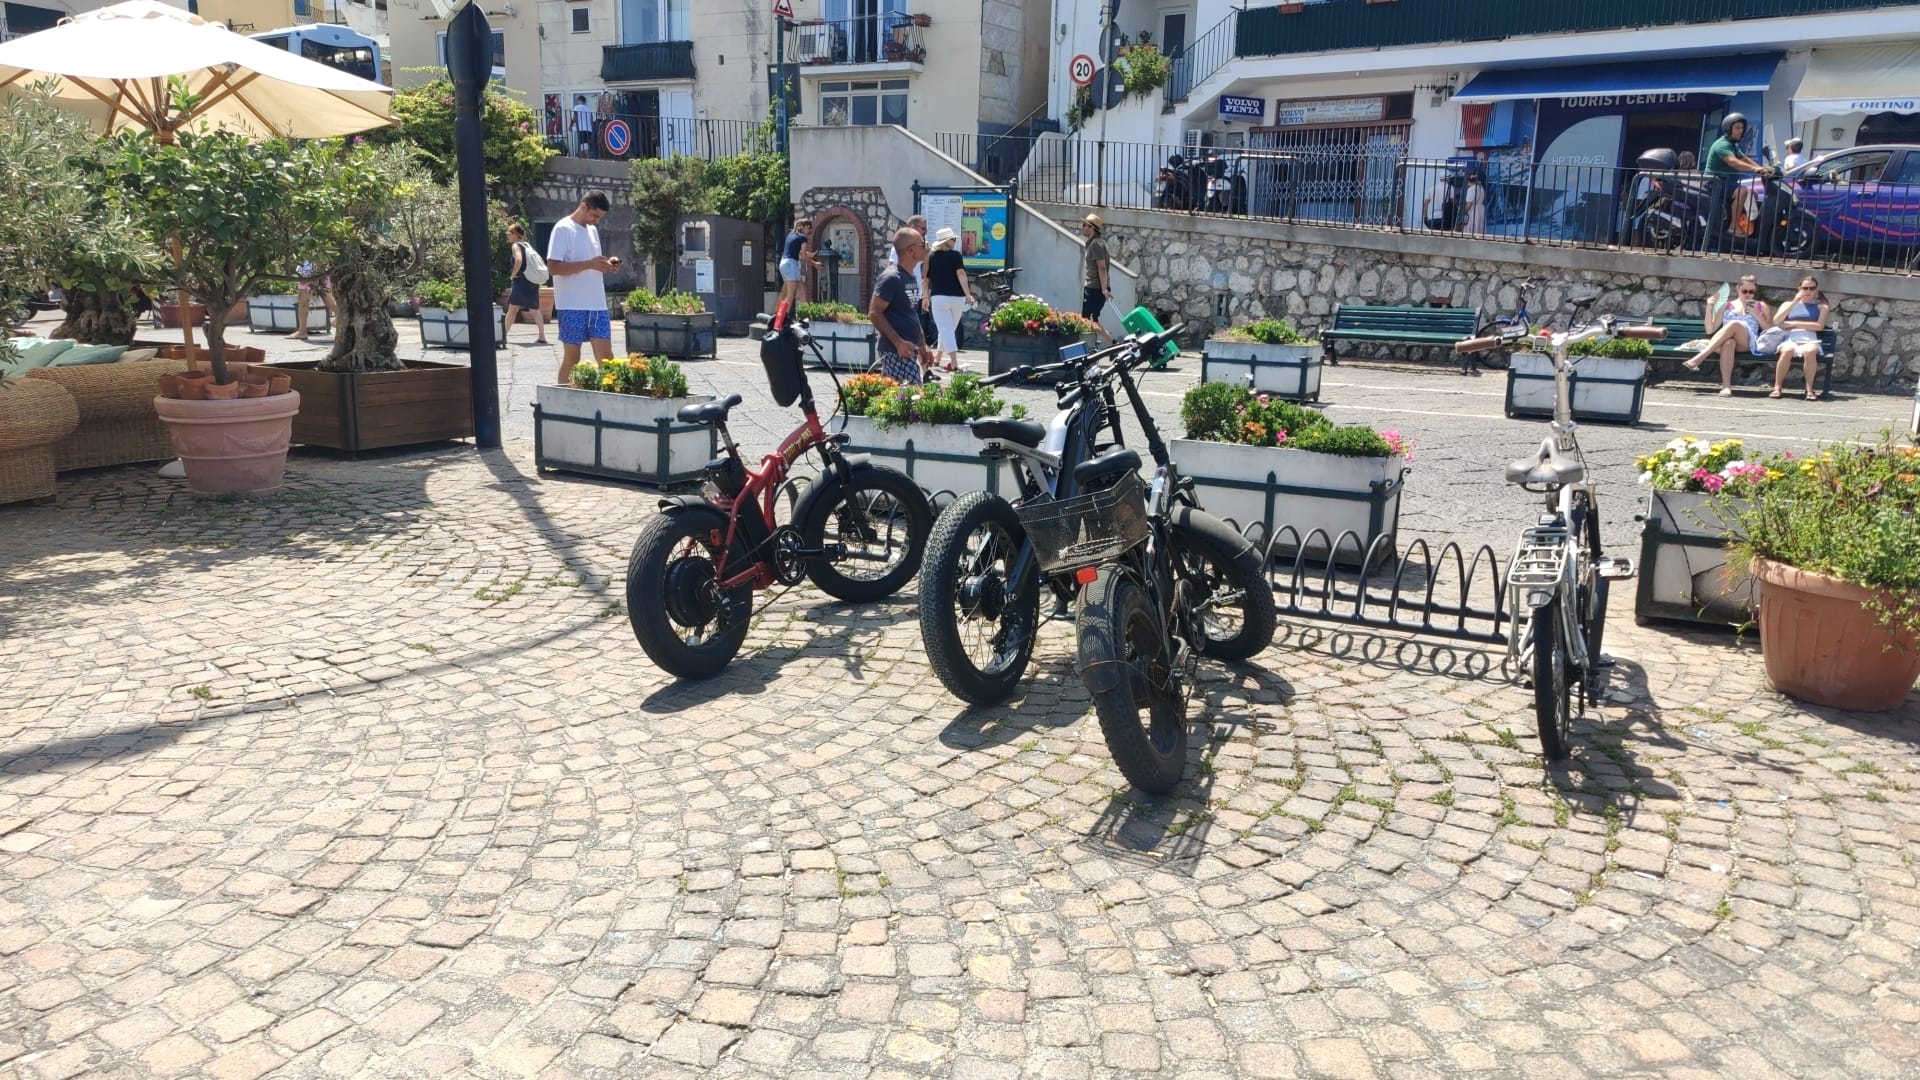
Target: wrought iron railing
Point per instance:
(892, 37)
(1331, 25)
(656, 137)
(653, 60)
(1209, 53)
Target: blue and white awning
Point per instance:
(1688, 75)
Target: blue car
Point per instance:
(1865, 202)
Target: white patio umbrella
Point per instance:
(114, 65)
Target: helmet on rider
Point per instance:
(1727, 122)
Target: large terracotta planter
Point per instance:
(1822, 645)
(238, 445)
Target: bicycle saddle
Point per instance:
(1027, 433)
(1098, 472)
(707, 411)
(1546, 468)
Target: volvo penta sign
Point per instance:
(1243, 108)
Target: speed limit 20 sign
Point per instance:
(1081, 69)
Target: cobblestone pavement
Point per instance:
(369, 778)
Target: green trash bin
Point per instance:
(1141, 321)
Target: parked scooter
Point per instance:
(1174, 189)
(1226, 187)
(1782, 227)
(1676, 208)
(1665, 213)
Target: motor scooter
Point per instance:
(1665, 211)
(1226, 186)
(1782, 228)
(1174, 188)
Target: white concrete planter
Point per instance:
(847, 346)
(618, 435)
(1605, 389)
(279, 314)
(1683, 563)
(941, 458)
(1265, 489)
(1286, 371)
(443, 328)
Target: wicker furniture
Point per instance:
(117, 423)
(33, 417)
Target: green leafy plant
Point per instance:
(1848, 511)
(858, 394)
(663, 190)
(1265, 332)
(753, 184)
(962, 397)
(1143, 68)
(515, 152)
(641, 376)
(1080, 109)
(1034, 317)
(1616, 348)
(441, 294)
(666, 378)
(1228, 413)
(829, 311)
(671, 302)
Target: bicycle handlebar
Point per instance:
(1647, 333)
(1141, 346)
(1476, 344)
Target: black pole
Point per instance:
(470, 63)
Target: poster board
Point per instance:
(981, 216)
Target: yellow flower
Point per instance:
(1773, 474)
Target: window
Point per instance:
(1857, 168)
(864, 103)
(645, 22)
(582, 21)
(1909, 172)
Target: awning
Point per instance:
(1872, 79)
(1685, 75)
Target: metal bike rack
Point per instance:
(1389, 592)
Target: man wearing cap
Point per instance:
(1097, 288)
(1796, 154)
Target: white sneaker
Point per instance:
(174, 470)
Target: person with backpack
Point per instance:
(529, 273)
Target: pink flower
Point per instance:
(1713, 483)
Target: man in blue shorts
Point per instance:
(579, 283)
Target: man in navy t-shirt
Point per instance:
(894, 312)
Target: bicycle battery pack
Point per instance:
(780, 355)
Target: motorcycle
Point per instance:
(1226, 187)
(1174, 187)
(1782, 227)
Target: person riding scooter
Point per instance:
(1725, 164)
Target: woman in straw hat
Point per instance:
(951, 293)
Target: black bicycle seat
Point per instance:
(1545, 468)
(707, 412)
(1095, 472)
(1584, 301)
(1027, 433)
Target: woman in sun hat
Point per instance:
(1096, 285)
(951, 293)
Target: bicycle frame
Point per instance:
(757, 495)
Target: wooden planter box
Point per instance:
(446, 328)
(1683, 564)
(279, 314)
(678, 336)
(1285, 371)
(1265, 490)
(1008, 351)
(847, 346)
(1606, 389)
(944, 459)
(373, 410)
(621, 436)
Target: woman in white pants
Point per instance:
(950, 294)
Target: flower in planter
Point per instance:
(829, 311)
(858, 394)
(957, 400)
(1033, 316)
(1692, 464)
(640, 376)
(671, 302)
(1265, 332)
(1227, 413)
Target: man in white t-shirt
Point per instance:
(579, 283)
(582, 126)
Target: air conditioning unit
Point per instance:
(813, 42)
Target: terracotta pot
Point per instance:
(232, 446)
(279, 384)
(192, 385)
(1822, 645)
(227, 391)
(253, 389)
(170, 385)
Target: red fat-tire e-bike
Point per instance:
(858, 531)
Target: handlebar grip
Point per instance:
(1476, 344)
(1649, 333)
(1020, 372)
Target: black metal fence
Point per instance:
(1806, 221)
(655, 137)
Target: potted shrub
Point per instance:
(279, 313)
(924, 428)
(617, 418)
(846, 338)
(1831, 541)
(443, 317)
(1268, 356)
(1261, 461)
(1027, 330)
(1684, 572)
(671, 323)
(401, 228)
(1609, 382)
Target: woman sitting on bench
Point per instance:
(1733, 326)
(1803, 318)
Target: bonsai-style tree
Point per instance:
(664, 189)
(242, 213)
(516, 154)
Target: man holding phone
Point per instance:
(579, 283)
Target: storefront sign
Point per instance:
(1243, 108)
(1609, 101)
(1877, 105)
(1340, 111)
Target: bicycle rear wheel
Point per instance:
(1552, 683)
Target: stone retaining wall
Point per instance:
(1195, 268)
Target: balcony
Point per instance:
(641, 63)
(1333, 25)
(887, 41)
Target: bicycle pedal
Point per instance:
(1613, 569)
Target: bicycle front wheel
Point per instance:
(1552, 683)
(977, 621)
(1124, 662)
(879, 524)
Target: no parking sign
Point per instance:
(617, 137)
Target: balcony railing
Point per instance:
(654, 60)
(1333, 25)
(886, 38)
(651, 136)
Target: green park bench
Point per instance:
(1670, 352)
(1400, 324)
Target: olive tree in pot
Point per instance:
(239, 213)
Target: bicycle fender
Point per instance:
(673, 504)
(1103, 674)
(1192, 519)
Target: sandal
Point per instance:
(1726, 391)
(1775, 394)
(1692, 365)
(1811, 396)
